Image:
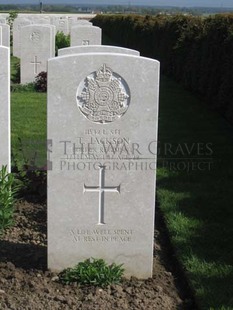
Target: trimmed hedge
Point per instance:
(196, 51)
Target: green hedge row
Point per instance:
(196, 51)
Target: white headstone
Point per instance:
(39, 19)
(19, 22)
(37, 46)
(71, 22)
(5, 158)
(85, 35)
(0, 35)
(5, 35)
(61, 24)
(2, 20)
(96, 49)
(102, 120)
(83, 22)
(74, 21)
(53, 41)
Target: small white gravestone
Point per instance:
(39, 19)
(2, 20)
(37, 46)
(61, 24)
(85, 35)
(96, 49)
(5, 107)
(53, 41)
(83, 22)
(5, 35)
(72, 21)
(102, 120)
(19, 22)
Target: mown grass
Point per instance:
(28, 122)
(197, 204)
(28, 127)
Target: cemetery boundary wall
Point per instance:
(195, 51)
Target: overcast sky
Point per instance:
(182, 3)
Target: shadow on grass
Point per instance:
(202, 234)
(168, 258)
(197, 203)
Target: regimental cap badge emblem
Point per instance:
(103, 96)
(35, 36)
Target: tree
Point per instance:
(10, 19)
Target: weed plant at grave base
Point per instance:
(8, 191)
(93, 272)
(32, 179)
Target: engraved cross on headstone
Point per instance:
(101, 189)
(35, 63)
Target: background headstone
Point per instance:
(61, 24)
(37, 46)
(102, 120)
(85, 35)
(53, 41)
(40, 19)
(5, 107)
(5, 35)
(83, 22)
(74, 21)
(19, 22)
(71, 22)
(2, 20)
(96, 49)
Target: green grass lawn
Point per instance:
(28, 122)
(197, 204)
(14, 63)
(28, 126)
